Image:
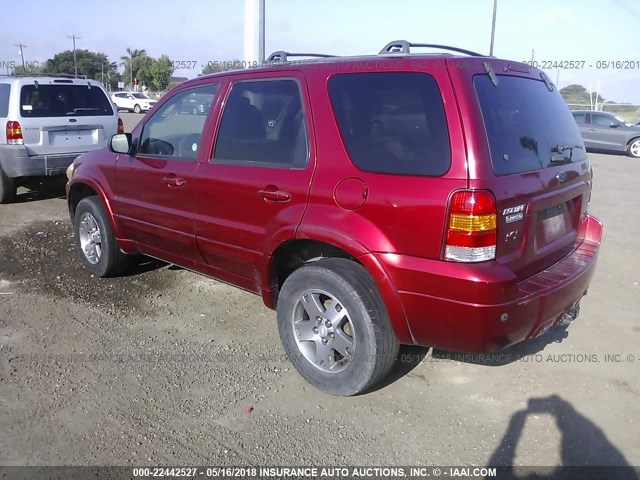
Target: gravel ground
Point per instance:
(163, 366)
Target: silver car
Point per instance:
(47, 121)
(603, 131)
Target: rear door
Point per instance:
(155, 187)
(533, 160)
(62, 116)
(582, 120)
(252, 193)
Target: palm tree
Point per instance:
(129, 62)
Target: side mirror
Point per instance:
(120, 143)
(614, 125)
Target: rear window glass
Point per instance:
(5, 89)
(63, 101)
(392, 122)
(528, 127)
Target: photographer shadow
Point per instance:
(583, 444)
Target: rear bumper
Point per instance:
(482, 307)
(16, 162)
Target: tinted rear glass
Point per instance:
(580, 117)
(5, 89)
(63, 101)
(392, 122)
(528, 127)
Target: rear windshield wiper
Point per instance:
(83, 109)
(560, 149)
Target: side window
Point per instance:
(602, 120)
(5, 89)
(580, 118)
(263, 123)
(175, 129)
(392, 122)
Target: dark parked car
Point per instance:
(435, 200)
(603, 131)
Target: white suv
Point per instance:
(46, 121)
(133, 101)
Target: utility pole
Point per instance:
(254, 25)
(493, 26)
(131, 70)
(21, 46)
(75, 63)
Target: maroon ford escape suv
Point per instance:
(437, 200)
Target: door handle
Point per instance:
(273, 194)
(174, 181)
(592, 129)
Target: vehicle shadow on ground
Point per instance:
(582, 444)
(409, 357)
(140, 264)
(46, 189)
(511, 354)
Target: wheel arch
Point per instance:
(630, 142)
(293, 254)
(86, 188)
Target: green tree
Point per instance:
(155, 73)
(577, 94)
(29, 68)
(95, 65)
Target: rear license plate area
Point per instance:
(554, 223)
(71, 138)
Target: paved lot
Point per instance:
(161, 365)
(130, 120)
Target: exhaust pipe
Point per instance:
(570, 315)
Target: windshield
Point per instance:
(63, 100)
(528, 127)
(140, 95)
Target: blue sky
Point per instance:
(212, 30)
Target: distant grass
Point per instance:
(624, 112)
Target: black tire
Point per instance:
(633, 149)
(375, 347)
(8, 188)
(136, 108)
(110, 261)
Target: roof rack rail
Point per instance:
(282, 56)
(52, 75)
(402, 46)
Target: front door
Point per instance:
(606, 133)
(155, 186)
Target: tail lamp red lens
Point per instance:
(471, 229)
(14, 133)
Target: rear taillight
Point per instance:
(120, 126)
(14, 133)
(471, 227)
